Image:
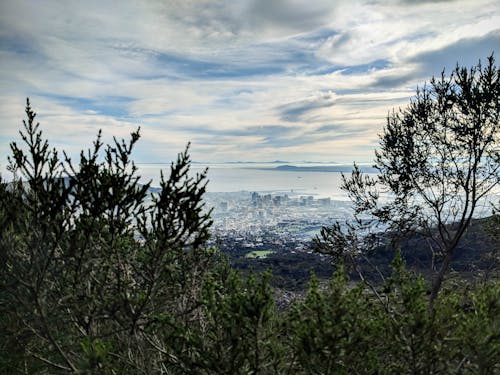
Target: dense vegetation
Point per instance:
(99, 277)
(439, 157)
(477, 255)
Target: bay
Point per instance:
(303, 180)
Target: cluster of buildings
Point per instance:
(277, 200)
(274, 221)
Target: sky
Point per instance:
(242, 80)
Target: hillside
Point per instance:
(478, 252)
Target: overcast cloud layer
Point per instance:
(242, 80)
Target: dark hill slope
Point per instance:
(479, 250)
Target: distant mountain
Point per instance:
(277, 161)
(324, 168)
(239, 162)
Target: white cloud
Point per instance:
(223, 66)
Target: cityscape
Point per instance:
(245, 222)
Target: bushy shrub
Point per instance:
(97, 276)
(90, 257)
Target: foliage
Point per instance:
(492, 230)
(438, 158)
(99, 277)
(89, 258)
(333, 331)
(236, 332)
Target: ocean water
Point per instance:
(265, 178)
(259, 178)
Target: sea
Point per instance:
(299, 179)
(302, 179)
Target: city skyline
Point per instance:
(248, 80)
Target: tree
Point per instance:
(438, 159)
(90, 259)
(98, 276)
(238, 331)
(334, 330)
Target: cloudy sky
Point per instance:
(241, 79)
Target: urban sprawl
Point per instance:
(271, 221)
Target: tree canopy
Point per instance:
(100, 276)
(438, 158)
(89, 253)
